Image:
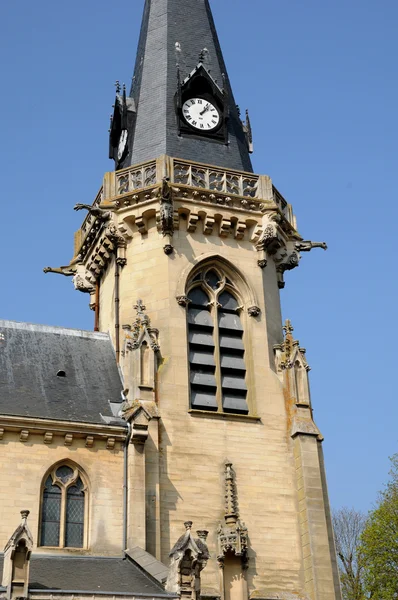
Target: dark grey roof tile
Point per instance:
(32, 355)
(90, 574)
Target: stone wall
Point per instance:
(193, 446)
(23, 466)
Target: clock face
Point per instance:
(201, 114)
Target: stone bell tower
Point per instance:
(184, 252)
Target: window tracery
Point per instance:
(216, 349)
(63, 508)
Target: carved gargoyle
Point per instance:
(96, 211)
(67, 271)
(307, 246)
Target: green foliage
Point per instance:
(379, 546)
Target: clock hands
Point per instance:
(206, 108)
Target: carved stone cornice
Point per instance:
(210, 199)
(61, 432)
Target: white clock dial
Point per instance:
(201, 114)
(122, 144)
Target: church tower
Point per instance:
(184, 252)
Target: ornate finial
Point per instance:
(117, 86)
(202, 55)
(288, 328)
(232, 535)
(202, 534)
(124, 89)
(178, 51)
(286, 349)
(231, 501)
(140, 328)
(25, 514)
(140, 308)
(238, 109)
(188, 525)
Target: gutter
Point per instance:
(117, 306)
(125, 485)
(43, 592)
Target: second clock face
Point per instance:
(201, 114)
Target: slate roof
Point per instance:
(31, 356)
(190, 23)
(115, 575)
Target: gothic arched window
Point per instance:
(63, 508)
(216, 350)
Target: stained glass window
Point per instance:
(51, 514)
(63, 508)
(74, 527)
(64, 473)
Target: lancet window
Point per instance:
(63, 509)
(216, 348)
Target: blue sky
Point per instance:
(320, 81)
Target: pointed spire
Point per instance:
(176, 36)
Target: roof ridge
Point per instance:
(36, 327)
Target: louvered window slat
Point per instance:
(201, 352)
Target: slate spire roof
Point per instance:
(178, 32)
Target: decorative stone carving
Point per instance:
(139, 414)
(110, 443)
(262, 263)
(225, 227)
(183, 301)
(68, 439)
(208, 225)
(232, 534)
(82, 285)
(17, 553)
(96, 211)
(188, 558)
(141, 330)
(166, 213)
(192, 222)
(270, 239)
(240, 230)
(292, 367)
(141, 225)
(308, 246)
(254, 311)
(24, 435)
(141, 354)
(66, 271)
(286, 263)
(48, 437)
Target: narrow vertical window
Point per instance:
(216, 350)
(74, 528)
(51, 514)
(63, 509)
(232, 363)
(201, 351)
(145, 364)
